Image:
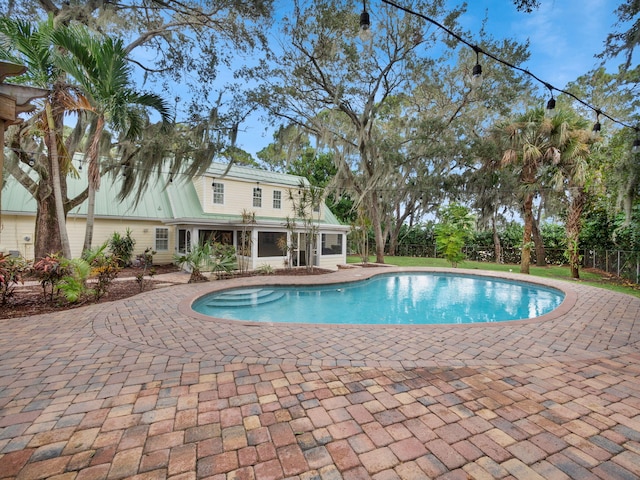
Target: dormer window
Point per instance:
(218, 193)
(257, 197)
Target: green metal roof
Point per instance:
(252, 174)
(171, 202)
(154, 204)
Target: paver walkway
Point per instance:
(144, 388)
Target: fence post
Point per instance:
(618, 262)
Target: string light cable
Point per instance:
(478, 70)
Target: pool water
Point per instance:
(388, 299)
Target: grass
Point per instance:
(558, 272)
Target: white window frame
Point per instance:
(277, 199)
(218, 193)
(164, 238)
(257, 197)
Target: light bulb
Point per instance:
(476, 79)
(551, 107)
(365, 27)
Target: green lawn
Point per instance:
(553, 271)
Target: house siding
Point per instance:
(174, 205)
(239, 194)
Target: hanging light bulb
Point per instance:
(595, 131)
(365, 24)
(551, 104)
(476, 78)
(636, 143)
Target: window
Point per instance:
(332, 244)
(225, 237)
(218, 193)
(162, 239)
(244, 242)
(184, 241)
(257, 197)
(270, 243)
(277, 199)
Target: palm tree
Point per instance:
(530, 143)
(537, 146)
(101, 70)
(574, 176)
(30, 45)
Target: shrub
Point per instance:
(265, 269)
(11, 271)
(73, 284)
(452, 232)
(50, 270)
(145, 259)
(122, 247)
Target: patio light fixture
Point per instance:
(636, 142)
(365, 24)
(551, 104)
(476, 79)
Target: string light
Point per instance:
(636, 142)
(595, 132)
(551, 103)
(476, 78)
(365, 24)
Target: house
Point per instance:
(223, 204)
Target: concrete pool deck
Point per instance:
(145, 388)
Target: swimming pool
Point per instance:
(387, 299)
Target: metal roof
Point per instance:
(168, 202)
(251, 174)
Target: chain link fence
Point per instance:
(624, 264)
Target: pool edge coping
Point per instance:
(569, 301)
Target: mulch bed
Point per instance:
(30, 300)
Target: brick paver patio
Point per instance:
(144, 388)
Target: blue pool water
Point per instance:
(390, 299)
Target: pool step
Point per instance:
(245, 297)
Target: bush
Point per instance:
(265, 269)
(73, 285)
(452, 232)
(12, 270)
(50, 270)
(104, 268)
(121, 247)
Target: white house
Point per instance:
(178, 212)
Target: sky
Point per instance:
(564, 37)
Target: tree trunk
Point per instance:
(93, 182)
(541, 260)
(573, 228)
(52, 145)
(377, 229)
(525, 259)
(47, 233)
(497, 247)
(91, 208)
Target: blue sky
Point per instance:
(564, 37)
